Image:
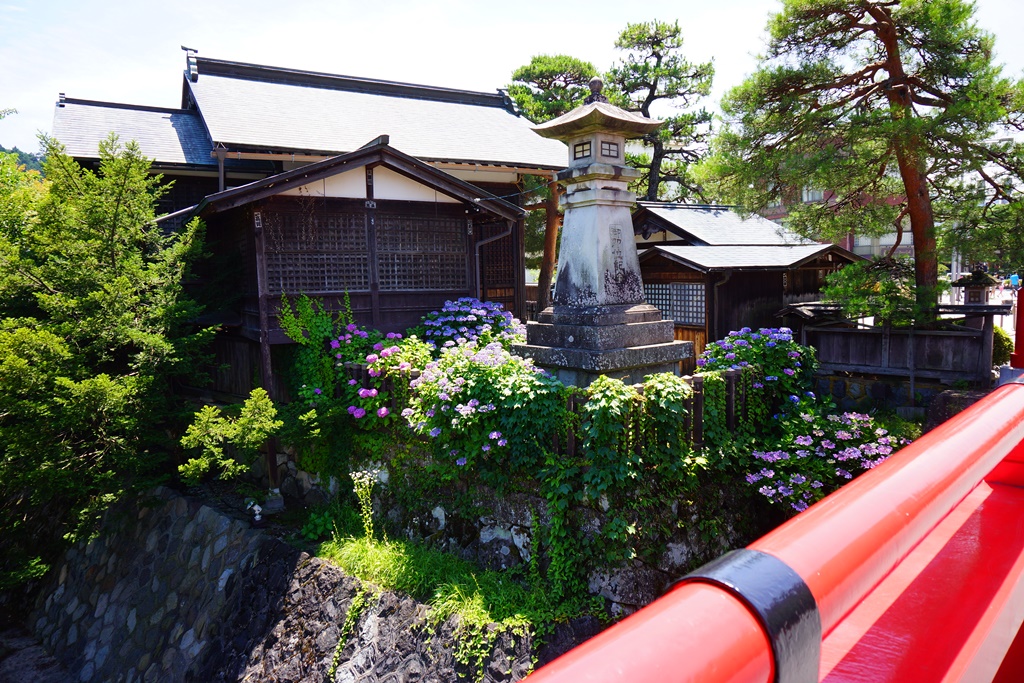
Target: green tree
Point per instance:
(654, 70)
(546, 88)
(31, 162)
(550, 85)
(94, 328)
(889, 106)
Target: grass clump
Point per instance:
(515, 600)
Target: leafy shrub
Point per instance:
(882, 287)
(317, 424)
(247, 433)
(637, 461)
(1002, 346)
(94, 329)
(334, 520)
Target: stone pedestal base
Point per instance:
(627, 342)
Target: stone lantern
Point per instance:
(599, 322)
(977, 287)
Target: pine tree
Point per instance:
(890, 107)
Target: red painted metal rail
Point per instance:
(917, 569)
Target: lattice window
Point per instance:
(682, 302)
(417, 252)
(317, 252)
(498, 266)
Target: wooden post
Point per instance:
(266, 367)
(371, 243)
(985, 362)
(547, 264)
(886, 332)
(1017, 357)
(688, 420)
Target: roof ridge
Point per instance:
(730, 245)
(681, 205)
(122, 105)
(275, 74)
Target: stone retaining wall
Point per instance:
(864, 393)
(173, 590)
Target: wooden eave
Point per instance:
(652, 252)
(252, 152)
(378, 153)
(642, 216)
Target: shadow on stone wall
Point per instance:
(174, 590)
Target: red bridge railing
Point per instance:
(912, 572)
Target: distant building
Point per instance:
(862, 246)
(713, 271)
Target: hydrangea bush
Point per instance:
(819, 454)
(788, 367)
(485, 410)
(390, 365)
(471, 320)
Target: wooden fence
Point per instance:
(952, 350)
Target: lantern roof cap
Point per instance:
(597, 117)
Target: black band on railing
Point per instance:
(782, 602)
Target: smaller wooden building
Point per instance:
(712, 271)
(397, 235)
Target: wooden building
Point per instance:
(398, 235)
(241, 123)
(713, 271)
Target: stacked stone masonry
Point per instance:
(173, 590)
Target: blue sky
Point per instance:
(129, 50)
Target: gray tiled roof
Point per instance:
(164, 135)
(715, 258)
(288, 116)
(721, 225)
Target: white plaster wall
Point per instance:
(388, 184)
(471, 175)
(349, 184)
